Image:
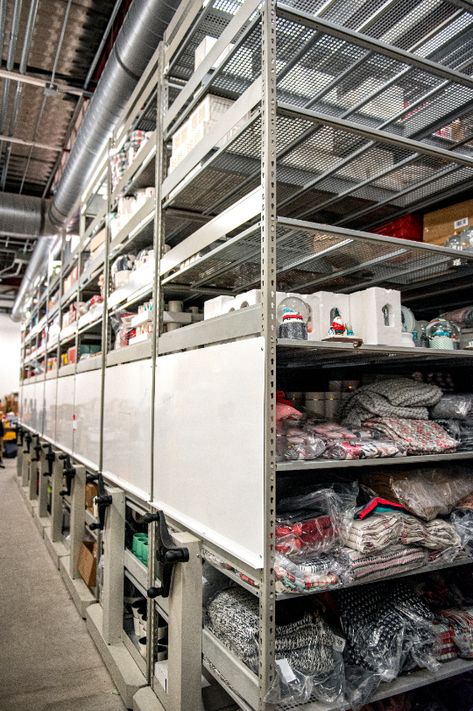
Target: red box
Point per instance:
(406, 227)
(71, 355)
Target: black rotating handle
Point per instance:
(167, 555)
(28, 440)
(50, 457)
(69, 473)
(92, 478)
(20, 435)
(103, 500)
(37, 449)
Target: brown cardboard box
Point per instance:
(87, 564)
(441, 224)
(90, 493)
(98, 240)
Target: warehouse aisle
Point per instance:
(48, 662)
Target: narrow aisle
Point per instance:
(48, 661)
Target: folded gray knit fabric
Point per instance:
(399, 397)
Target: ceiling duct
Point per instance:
(141, 32)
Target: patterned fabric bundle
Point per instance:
(436, 534)
(418, 436)
(308, 644)
(299, 444)
(317, 572)
(300, 535)
(426, 492)
(462, 622)
(388, 562)
(388, 629)
(444, 645)
(397, 398)
(373, 533)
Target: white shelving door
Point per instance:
(208, 459)
(65, 412)
(87, 417)
(127, 426)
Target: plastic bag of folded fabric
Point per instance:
(455, 406)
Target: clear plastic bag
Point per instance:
(295, 443)
(425, 492)
(314, 573)
(388, 629)
(462, 622)
(462, 521)
(364, 567)
(452, 406)
(313, 522)
(308, 652)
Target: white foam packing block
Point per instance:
(218, 306)
(321, 305)
(253, 297)
(368, 318)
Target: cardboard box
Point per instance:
(98, 240)
(87, 563)
(441, 224)
(90, 493)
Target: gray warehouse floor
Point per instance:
(48, 662)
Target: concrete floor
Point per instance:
(48, 661)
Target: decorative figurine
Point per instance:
(337, 327)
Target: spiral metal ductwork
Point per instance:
(22, 215)
(141, 32)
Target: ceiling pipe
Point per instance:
(141, 32)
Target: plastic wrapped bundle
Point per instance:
(444, 649)
(462, 521)
(462, 622)
(437, 535)
(463, 316)
(364, 567)
(301, 533)
(418, 436)
(373, 533)
(426, 492)
(314, 573)
(308, 653)
(453, 406)
(388, 629)
(295, 443)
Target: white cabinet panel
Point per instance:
(209, 456)
(127, 426)
(64, 412)
(27, 405)
(50, 395)
(87, 417)
(39, 396)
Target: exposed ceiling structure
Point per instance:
(52, 53)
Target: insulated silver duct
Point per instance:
(138, 39)
(141, 32)
(23, 216)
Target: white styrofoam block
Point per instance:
(218, 306)
(202, 50)
(322, 305)
(253, 297)
(376, 316)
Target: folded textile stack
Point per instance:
(305, 643)
(462, 622)
(399, 398)
(388, 629)
(425, 492)
(418, 436)
(444, 642)
(395, 559)
(315, 572)
(302, 532)
(454, 412)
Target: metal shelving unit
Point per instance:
(344, 116)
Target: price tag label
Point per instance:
(286, 671)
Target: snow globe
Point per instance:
(293, 316)
(443, 334)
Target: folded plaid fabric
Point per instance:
(418, 436)
(381, 564)
(397, 397)
(304, 535)
(444, 645)
(462, 622)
